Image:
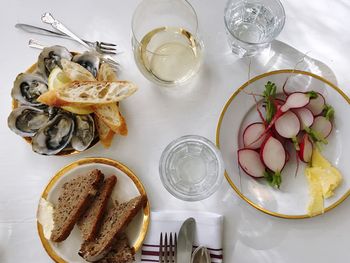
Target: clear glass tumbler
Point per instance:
(165, 41)
(251, 25)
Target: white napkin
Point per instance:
(209, 230)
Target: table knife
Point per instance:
(185, 241)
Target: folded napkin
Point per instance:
(209, 229)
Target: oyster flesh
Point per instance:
(28, 87)
(26, 121)
(50, 57)
(89, 61)
(54, 136)
(84, 132)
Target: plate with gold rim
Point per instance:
(128, 186)
(291, 200)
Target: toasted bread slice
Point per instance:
(111, 116)
(89, 222)
(104, 132)
(87, 93)
(115, 221)
(75, 197)
(121, 252)
(106, 73)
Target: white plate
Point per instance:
(127, 187)
(291, 200)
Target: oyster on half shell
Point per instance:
(26, 121)
(84, 132)
(28, 87)
(89, 61)
(51, 57)
(54, 136)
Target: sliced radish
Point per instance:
(249, 160)
(305, 152)
(288, 125)
(305, 116)
(273, 154)
(296, 100)
(316, 105)
(322, 126)
(253, 132)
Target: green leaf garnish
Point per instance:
(312, 94)
(315, 136)
(274, 179)
(328, 112)
(269, 97)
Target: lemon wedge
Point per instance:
(58, 79)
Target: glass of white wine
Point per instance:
(165, 41)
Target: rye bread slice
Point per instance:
(75, 196)
(115, 221)
(121, 252)
(89, 223)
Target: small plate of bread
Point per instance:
(93, 210)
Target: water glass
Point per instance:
(165, 41)
(251, 25)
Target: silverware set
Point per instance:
(103, 49)
(179, 250)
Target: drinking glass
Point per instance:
(165, 41)
(251, 25)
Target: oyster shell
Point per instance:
(50, 57)
(89, 61)
(54, 136)
(28, 87)
(26, 121)
(84, 132)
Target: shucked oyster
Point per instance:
(26, 121)
(50, 57)
(84, 132)
(54, 136)
(89, 61)
(27, 88)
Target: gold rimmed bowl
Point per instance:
(128, 186)
(291, 200)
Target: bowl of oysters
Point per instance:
(67, 102)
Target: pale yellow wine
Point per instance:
(168, 54)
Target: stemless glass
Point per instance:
(165, 41)
(251, 25)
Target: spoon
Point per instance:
(201, 255)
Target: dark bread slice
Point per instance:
(89, 223)
(121, 252)
(75, 196)
(115, 221)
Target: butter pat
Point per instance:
(323, 179)
(45, 217)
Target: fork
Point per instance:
(167, 248)
(102, 47)
(35, 44)
(49, 19)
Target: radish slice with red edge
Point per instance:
(252, 133)
(273, 154)
(305, 116)
(296, 100)
(322, 126)
(305, 152)
(288, 125)
(317, 104)
(249, 160)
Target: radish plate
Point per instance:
(251, 135)
(249, 160)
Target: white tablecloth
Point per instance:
(320, 27)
